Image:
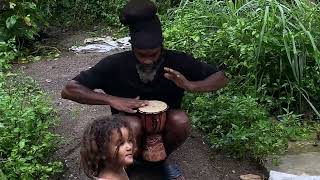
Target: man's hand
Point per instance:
(177, 78)
(126, 104)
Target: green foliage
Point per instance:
(87, 12)
(25, 119)
(164, 6)
(20, 22)
(270, 46)
(22, 19)
(7, 54)
(73, 12)
(271, 49)
(240, 126)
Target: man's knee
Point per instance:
(134, 123)
(178, 121)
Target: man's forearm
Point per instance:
(78, 93)
(212, 83)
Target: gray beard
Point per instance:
(147, 72)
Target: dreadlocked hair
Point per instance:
(137, 10)
(95, 143)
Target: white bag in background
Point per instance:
(274, 175)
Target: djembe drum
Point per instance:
(153, 119)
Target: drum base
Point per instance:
(154, 150)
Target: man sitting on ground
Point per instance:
(148, 72)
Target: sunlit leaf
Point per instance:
(11, 21)
(12, 5)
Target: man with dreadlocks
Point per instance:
(148, 72)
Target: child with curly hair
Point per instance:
(107, 148)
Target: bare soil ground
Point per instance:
(197, 160)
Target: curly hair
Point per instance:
(95, 143)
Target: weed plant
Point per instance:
(26, 117)
(272, 51)
(271, 47)
(242, 127)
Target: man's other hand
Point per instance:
(177, 78)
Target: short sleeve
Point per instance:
(95, 77)
(196, 70)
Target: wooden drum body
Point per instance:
(153, 119)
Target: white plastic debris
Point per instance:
(102, 45)
(274, 175)
(125, 41)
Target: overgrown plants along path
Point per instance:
(198, 162)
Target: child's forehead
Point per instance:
(119, 133)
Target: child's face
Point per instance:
(124, 157)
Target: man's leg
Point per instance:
(177, 130)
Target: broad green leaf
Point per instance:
(12, 5)
(22, 143)
(195, 38)
(29, 34)
(11, 21)
(27, 20)
(36, 58)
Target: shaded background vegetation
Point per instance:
(271, 50)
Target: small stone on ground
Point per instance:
(250, 177)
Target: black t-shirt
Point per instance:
(117, 75)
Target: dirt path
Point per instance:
(195, 157)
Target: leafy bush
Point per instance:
(166, 5)
(25, 119)
(240, 126)
(20, 23)
(73, 12)
(271, 49)
(23, 19)
(8, 53)
(269, 45)
(80, 12)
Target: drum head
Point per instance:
(154, 107)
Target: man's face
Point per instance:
(148, 63)
(147, 56)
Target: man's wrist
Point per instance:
(108, 99)
(191, 86)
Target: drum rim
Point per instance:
(142, 112)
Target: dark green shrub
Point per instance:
(270, 47)
(240, 126)
(81, 12)
(25, 120)
(23, 19)
(20, 24)
(8, 53)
